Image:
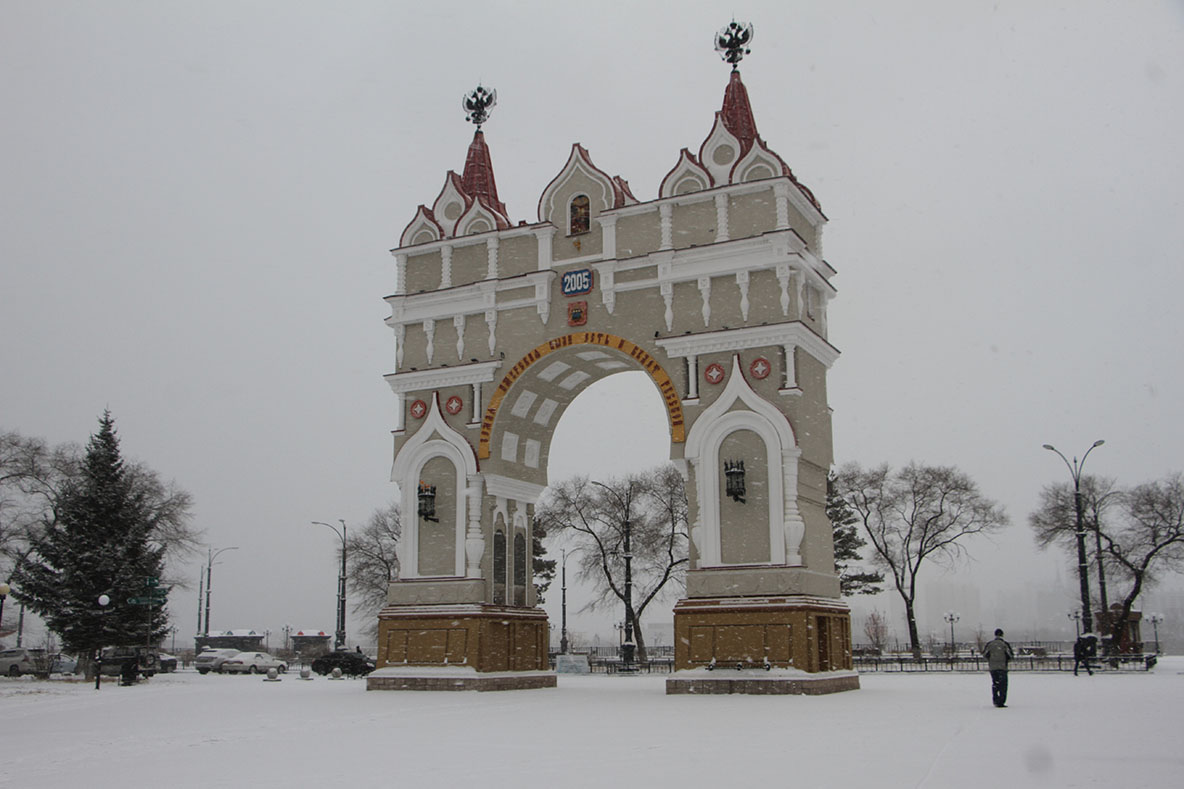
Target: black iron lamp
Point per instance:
(734, 473)
(427, 502)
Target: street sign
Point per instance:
(151, 582)
(155, 597)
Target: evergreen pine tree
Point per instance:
(99, 544)
(847, 545)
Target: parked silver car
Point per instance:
(253, 663)
(212, 660)
(14, 662)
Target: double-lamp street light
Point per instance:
(211, 555)
(1075, 469)
(339, 636)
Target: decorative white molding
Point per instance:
(577, 162)
(491, 324)
(795, 333)
(781, 194)
(442, 378)
(458, 323)
(608, 236)
(719, 138)
(429, 330)
(666, 218)
(667, 291)
(475, 539)
(400, 337)
(716, 423)
(400, 273)
(742, 281)
(783, 275)
(433, 439)
(491, 246)
(686, 173)
(510, 488)
(721, 217)
(705, 292)
(446, 266)
(546, 238)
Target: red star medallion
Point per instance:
(760, 368)
(454, 405)
(419, 409)
(714, 373)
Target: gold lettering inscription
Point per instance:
(643, 358)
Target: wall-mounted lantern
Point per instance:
(734, 472)
(427, 502)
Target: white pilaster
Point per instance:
(721, 217)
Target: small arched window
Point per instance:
(581, 215)
(499, 568)
(519, 569)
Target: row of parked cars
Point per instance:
(231, 661)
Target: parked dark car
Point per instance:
(353, 664)
(168, 663)
(129, 661)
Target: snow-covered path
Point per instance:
(187, 730)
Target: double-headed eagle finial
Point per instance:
(731, 42)
(478, 103)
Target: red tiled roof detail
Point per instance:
(478, 175)
(737, 113)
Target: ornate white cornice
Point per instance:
(796, 334)
(514, 489)
(474, 299)
(465, 375)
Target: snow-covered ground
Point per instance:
(935, 730)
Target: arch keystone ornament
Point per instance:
(661, 287)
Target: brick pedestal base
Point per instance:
(808, 635)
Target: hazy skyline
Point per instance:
(198, 202)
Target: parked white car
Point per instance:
(14, 662)
(253, 663)
(212, 659)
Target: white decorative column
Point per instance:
(400, 273)
(446, 266)
(742, 281)
(400, 336)
(491, 323)
(791, 368)
(781, 193)
(666, 212)
(608, 235)
(721, 217)
(429, 329)
(491, 247)
(474, 538)
(705, 292)
(458, 323)
(545, 239)
(692, 377)
(795, 527)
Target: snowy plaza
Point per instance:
(899, 730)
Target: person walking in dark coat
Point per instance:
(998, 653)
(1084, 650)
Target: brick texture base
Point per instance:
(771, 686)
(526, 682)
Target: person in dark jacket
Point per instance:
(998, 653)
(1084, 650)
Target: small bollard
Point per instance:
(305, 672)
(272, 675)
(336, 674)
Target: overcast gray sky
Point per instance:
(197, 202)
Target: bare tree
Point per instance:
(916, 514)
(1135, 535)
(1147, 543)
(875, 628)
(372, 562)
(651, 507)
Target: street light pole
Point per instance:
(1155, 619)
(211, 555)
(1075, 469)
(563, 607)
(339, 636)
(951, 617)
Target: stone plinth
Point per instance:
(796, 644)
(461, 647)
(749, 682)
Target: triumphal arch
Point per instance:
(717, 289)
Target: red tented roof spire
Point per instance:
(737, 112)
(477, 179)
